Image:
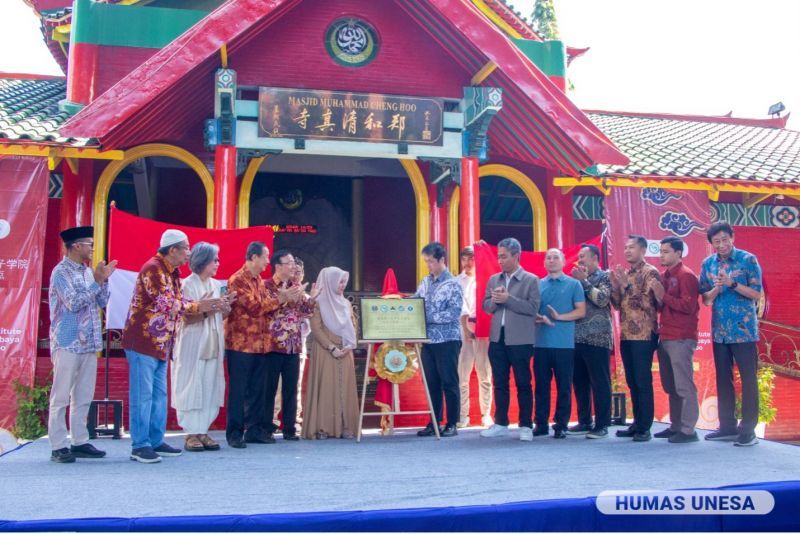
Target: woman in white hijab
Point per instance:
(198, 378)
(331, 405)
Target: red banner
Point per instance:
(656, 214)
(133, 240)
(23, 216)
(533, 262)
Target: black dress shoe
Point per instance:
(87, 450)
(237, 443)
(559, 433)
(261, 437)
(62, 456)
(290, 437)
(627, 433)
(428, 431)
(642, 436)
(541, 430)
(580, 428)
(449, 431)
(666, 433)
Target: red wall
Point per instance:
(115, 62)
(292, 54)
(778, 252)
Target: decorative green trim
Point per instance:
(763, 215)
(70, 107)
(130, 26)
(549, 56)
(590, 208)
(587, 207)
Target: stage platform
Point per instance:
(456, 476)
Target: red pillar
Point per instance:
(225, 187)
(560, 222)
(438, 216)
(82, 73)
(470, 203)
(76, 200)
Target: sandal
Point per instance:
(208, 443)
(322, 435)
(193, 444)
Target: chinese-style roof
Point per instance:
(29, 109)
(759, 150)
(538, 124)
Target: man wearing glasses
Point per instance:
(76, 292)
(284, 337)
(157, 308)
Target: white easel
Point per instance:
(395, 388)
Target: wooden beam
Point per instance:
(751, 199)
(72, 163)
(713, 194)
(223, 53)
(47, 151)
(61, 33)
(565, 190)
(52, 163)
(603, 189)
(484, 73)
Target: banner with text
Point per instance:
(656, 214)
(133, 240)
(23, 217)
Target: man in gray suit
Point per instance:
(512, 297)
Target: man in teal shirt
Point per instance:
(562, 304)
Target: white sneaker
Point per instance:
(494, 431)
(487, 420)
(525, 433)
(464, 422)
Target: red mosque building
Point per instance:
(379, 125)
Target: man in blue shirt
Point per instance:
(730, 282)
(562, 304)
(76, 292)
(443, 301)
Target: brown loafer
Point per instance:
(208, 443)
(193, 444)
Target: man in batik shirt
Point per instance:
(285, 338)
(157, 308)
(76, 292)
(730, 282)
(632, 294)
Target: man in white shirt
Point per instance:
(474, 350)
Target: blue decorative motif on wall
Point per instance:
(785, 216)
(678, 223)
(657, 196)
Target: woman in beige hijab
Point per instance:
(331, 406)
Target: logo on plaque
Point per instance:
(351, 42)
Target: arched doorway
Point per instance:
(342, 192)
(188, 165)
(511, 203)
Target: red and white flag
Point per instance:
(132, 241)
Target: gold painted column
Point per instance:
(357, 224)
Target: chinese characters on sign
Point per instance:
(295, 113)
(11, 264)
(293, 228)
